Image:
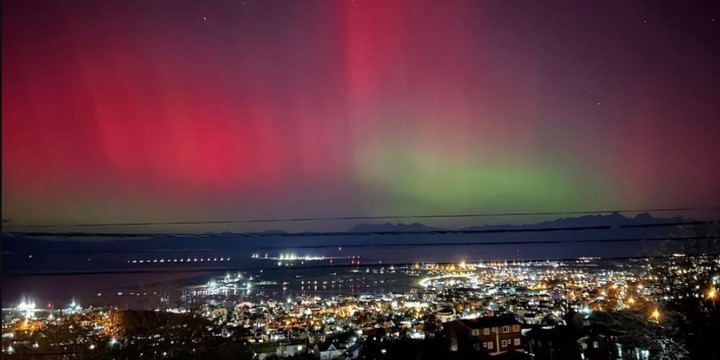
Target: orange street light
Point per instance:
(712, 294)
(655, 315)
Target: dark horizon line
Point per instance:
(431, 244)
(361, 233)
(348, 218)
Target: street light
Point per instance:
(712, 294)
(655, 315)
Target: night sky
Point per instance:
(117, 111)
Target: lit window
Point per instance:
(486, 331)
(490, 345)
(506, 329)
(494, 329)
(517, 342)
(516, 328)
(503, 343)
(595, 344)
(475, 332)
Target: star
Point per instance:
(204, 18)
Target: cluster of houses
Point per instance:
(576, 337)
(501, 337)
(326, 350)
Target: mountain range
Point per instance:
(559, 238)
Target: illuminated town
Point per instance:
(535, 310)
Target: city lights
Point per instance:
(238, 303)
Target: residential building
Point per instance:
(495, 335)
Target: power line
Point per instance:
(347, 218)
(492, 230)
(325, 246)
(316, 267)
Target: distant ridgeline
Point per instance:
(612, 235)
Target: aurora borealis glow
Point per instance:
(170, 110)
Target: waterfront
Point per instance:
(268, 309)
